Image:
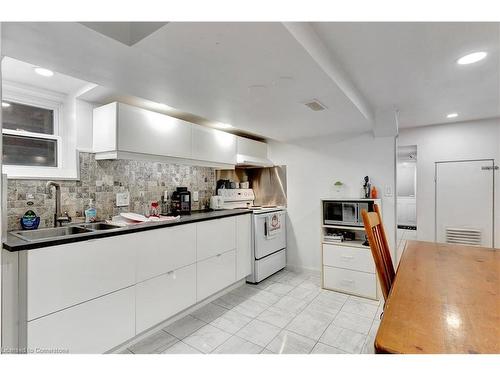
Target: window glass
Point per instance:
(29, 151)
(28, 118)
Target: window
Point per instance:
(29, 135)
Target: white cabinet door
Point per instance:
(214, 274)
(165, 249)
(64, 275)
(213, 145)
(92, 327)
(353, 282)
(161, 297)
(348, 257)
(105, 128)
(243, 246)
(251, 147)
(215, 237)
(149, 132)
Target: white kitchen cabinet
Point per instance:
(352, 258)
(349, 281)
(121, 127)
(163, 296)
(215, 237)
(61, 276)
(213, 145)
(165, 249)
(251, 152)
(215, 273)
(243, 246)
(92, 327)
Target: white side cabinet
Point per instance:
(214, 237)
(215, 273)
(243, 246)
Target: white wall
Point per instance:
(457, 141)
(312, 168)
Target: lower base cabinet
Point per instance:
(95, 326)
(215, 273)
(349, 281)
(163, 296)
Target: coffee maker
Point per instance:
(181, 201)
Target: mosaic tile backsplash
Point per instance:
(101, 180)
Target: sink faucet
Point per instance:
(59, 218)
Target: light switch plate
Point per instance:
(195, 196)
(122, 199)
(388, 191)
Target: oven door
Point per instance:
(264, 244)
(332, 213)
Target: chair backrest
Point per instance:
(380, 248)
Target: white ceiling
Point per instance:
(256, 76)
(412, 66)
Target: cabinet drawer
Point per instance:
(215, 237)
(163, 296)
(348, 257)
(215, 273)
(62, 276)
(166, 249)
(355, 282)
(92, 327)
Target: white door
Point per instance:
(464, 202)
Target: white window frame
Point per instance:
(17, 93)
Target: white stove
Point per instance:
(268, 232)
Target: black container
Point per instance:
(181, 201)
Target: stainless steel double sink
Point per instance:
(62, 232)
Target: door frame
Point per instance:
(493, 194)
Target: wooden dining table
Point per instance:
(445, 299)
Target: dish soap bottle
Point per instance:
(90, 212)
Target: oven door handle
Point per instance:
(265, 227)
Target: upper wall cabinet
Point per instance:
(128, 132)
(213, 145)
(252, 153)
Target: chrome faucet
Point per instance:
(59, 218)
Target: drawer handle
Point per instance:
(347, 281)
(218, 255)
(347, 257)
(174, 275)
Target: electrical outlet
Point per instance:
(122, 199)
(195, 196)
(388, 190)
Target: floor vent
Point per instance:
(464, 236)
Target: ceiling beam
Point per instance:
(304, 33)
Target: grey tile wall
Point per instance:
(101, 180)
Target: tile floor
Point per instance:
(287, 313)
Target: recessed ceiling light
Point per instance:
(472, 58)
(5, 105)
(222, 125)
(451, 115)
(44, 72)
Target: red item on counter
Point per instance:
(374, 193)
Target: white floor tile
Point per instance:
(258, 332)
(304, 294)
(155, 343)
(277, 317)
(310, 323)
(365, 300)
(290, 343)
(250, 308)
(354, 322)
(209, 312)
(246, 291)
(229, 300)
(265, 297)
(231, 321)
(184, 326)
(343, 339)
(237, 345)
(361, 308)
(181, 348)
(207, 338)
(278, 288)
(291, 304)
(321, 348)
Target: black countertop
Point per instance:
(13, 243)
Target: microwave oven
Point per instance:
(346, 213)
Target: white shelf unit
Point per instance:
(348, 266)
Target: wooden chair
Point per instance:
(380, 249)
